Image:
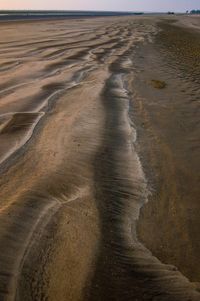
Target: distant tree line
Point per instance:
(195, 11)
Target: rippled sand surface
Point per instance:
(71, 181)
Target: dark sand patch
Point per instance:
(158, 84)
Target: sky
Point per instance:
(114, 5)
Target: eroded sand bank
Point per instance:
(72, 183)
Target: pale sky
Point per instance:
(115, 5)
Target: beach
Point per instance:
(99, 159)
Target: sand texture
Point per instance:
(99, 159)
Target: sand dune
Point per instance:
(71, 177)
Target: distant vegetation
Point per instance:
(195, 12)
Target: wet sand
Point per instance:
(79, 157)
(168, 122)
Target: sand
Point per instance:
(79, 157)
(168, 122)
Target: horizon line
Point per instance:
(91, 10)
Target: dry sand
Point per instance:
(75, 95)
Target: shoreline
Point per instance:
(50, 15)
